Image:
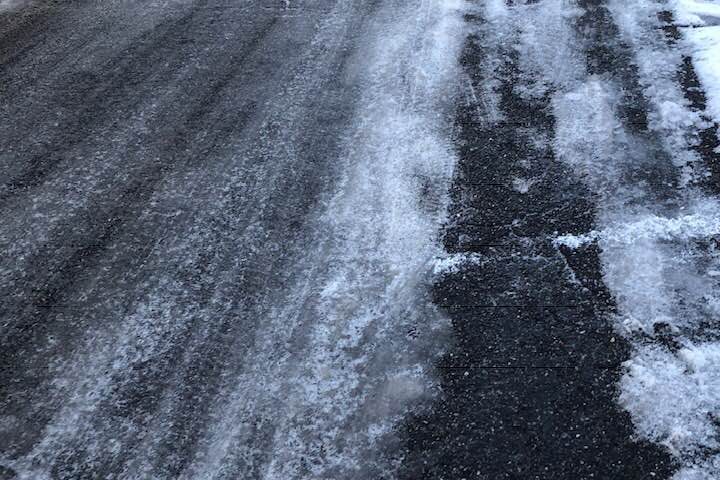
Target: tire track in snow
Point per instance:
(274, 323)
(529, 389)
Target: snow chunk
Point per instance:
(652, 227)
(693, 12)
(674, 399)
(706, 56)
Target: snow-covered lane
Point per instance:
(220, 236)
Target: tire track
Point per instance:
(528, 389)
(125, 383)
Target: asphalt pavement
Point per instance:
(311, 239)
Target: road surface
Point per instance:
(355, 239)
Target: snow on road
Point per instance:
(701, 29)
(241, 346)
(256, 257)
(356, 369)
(673, 392)
(658, 225)
(660, 231)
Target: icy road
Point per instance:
(359, 239)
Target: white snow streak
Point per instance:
(345, 351)
(658, 255)
(686, 382)
(670, 268)
(333, 402)
(703, 38)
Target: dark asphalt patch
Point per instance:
(528, 392)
